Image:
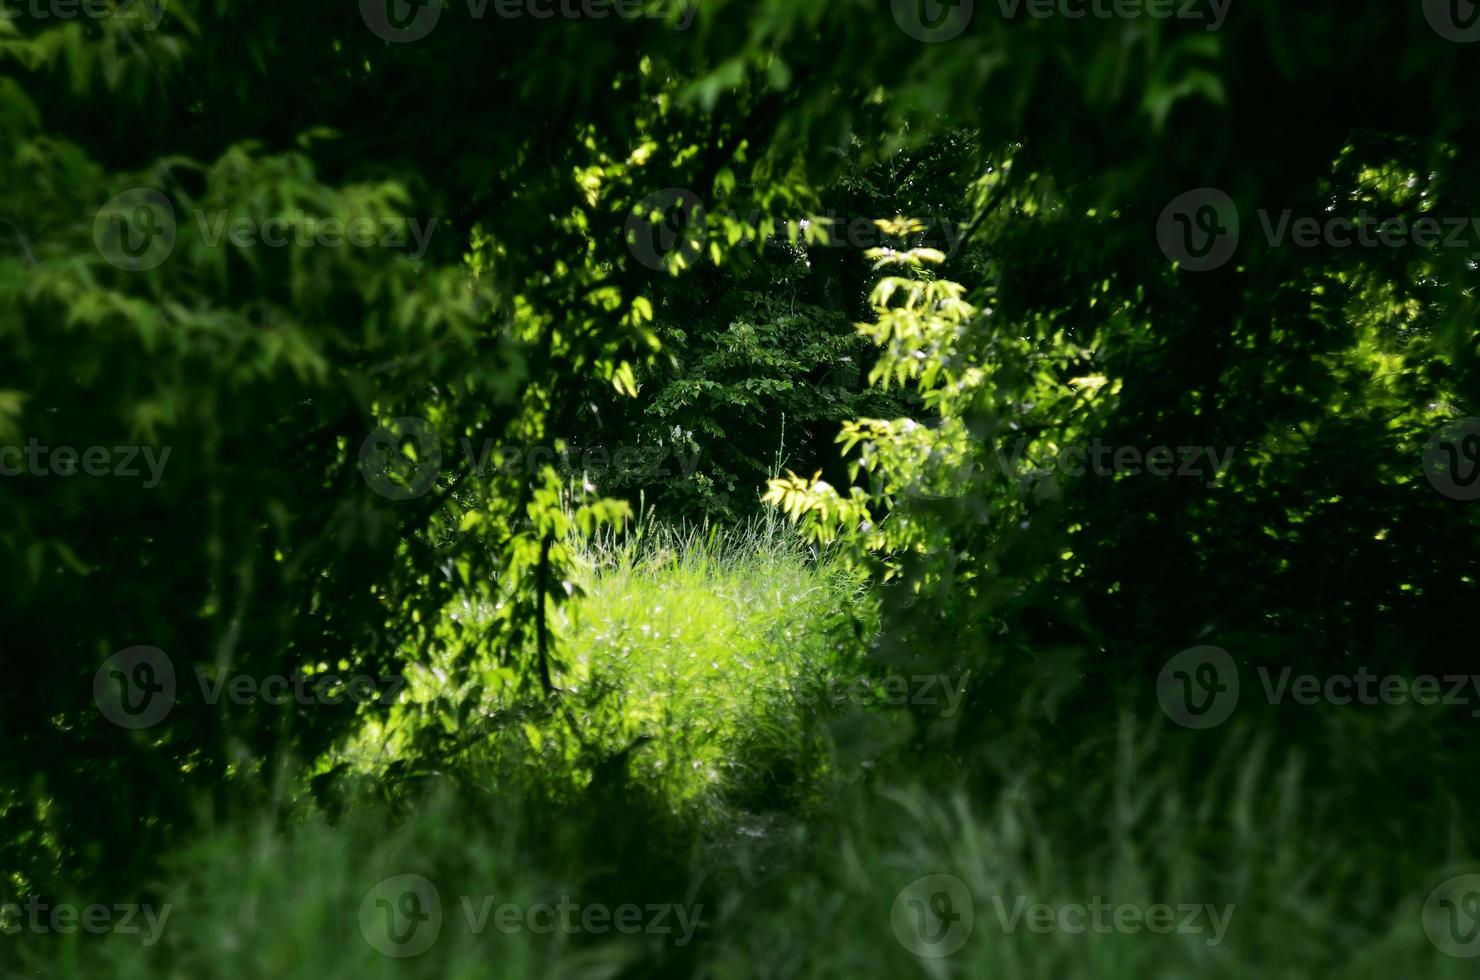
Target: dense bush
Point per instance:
(761, 362)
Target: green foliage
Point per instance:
(759, 363)
(697, 714)
(313, 515)
(692, 663)
(264, 370)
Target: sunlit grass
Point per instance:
(696, 641)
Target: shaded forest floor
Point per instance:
(724, 769)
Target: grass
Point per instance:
(1289, 897)
(685, 739)
(699, 642)
(703, 780)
